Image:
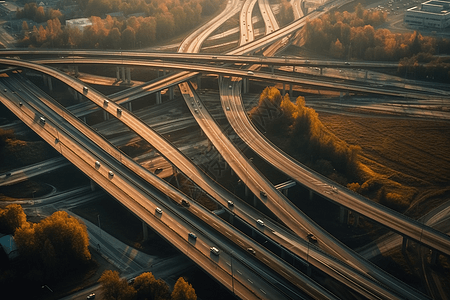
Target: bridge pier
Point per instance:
(105, 115)
(199, 82)
(404, 244)
(291, 86)
(128, 79)
(434, 257)
(311, 195)
(284, 89)
(272, 69)
(231, 219)
(355, 219)
(158, 97)
(144, 231)
(246, 191)
(117, 74)
(93, 185)
(123, 74)
(128, 106)
(171, 93)
(321, 71)
(343, 215)
(80, 96)
(285, 192)
(255, 200)
(365, 76)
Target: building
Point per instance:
(80, 23)
(431, 14)
(9, 246)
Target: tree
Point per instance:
(11, 218)
(58, 243)
(183, 291)
(115, 288)
(143, 285)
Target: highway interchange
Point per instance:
(128, 176)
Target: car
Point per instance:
(8, 174)
(42, 120)
(20, 103)
(196, 111)
(158, 210)
(192, 103)
(260, 222)
(5, 90)
(119, 111)
(192, 235)
(85, 89)
(131, 280)
(347, 63)
(263, 194)
(228, 108)
(311, 238)
(230, 203)
(250, 73)
(185, 203)
(111, 173)
(306, 61)
(97, 164)
(105, 102)
(214, 250)
(214, 57)
(158, 170)
(230, 87)
(91, 296)
(251, 250)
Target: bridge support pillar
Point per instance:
(284, 89)
(246, 191)
(123, 74)
(144, 231)
(272, 68)
(231, 219)
(128, 79)
(404, 244)
(343, 215)
(76, 71)
(158, 98)
(93, 185)
(311, 195)
(293, 69)
(84, 119)
(105, 115)
(255, 201)
(164, 72)
(129, 107)
(285, 192)
(253, 233)
(290, 89)
(355, 219)
(199, 82)
(321, 71)
(434, 257)
(80, 96)
(117, 73)
(365, 76)
(171, 93)
(50, 85)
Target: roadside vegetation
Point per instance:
(301, 134)
(20, 151)
(144, 286)
(351, 36)
(49, 251)
(154, 21)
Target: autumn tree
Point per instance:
(115, 288)
(183, 291)
(57, 243)
(11, 218)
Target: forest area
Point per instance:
(353, 36)
(155, 21)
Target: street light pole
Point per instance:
(47, 288)
(100, 229)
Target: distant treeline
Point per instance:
(161, 20)
(352, 36)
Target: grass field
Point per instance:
(409, 156)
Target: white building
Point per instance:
(80, 23)
(432, 14)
